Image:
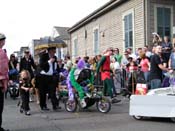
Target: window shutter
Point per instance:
(128, 30)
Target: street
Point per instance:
(117, 119)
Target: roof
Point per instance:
(63, 32)
(22, 49)
(97, 13)
(36, 41)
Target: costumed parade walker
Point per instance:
(82, 92)
(156, 103)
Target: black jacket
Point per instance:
(27, 65)
(14, 64)
(43, 62)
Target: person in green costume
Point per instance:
(104, 65)
(77, 76)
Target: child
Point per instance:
(25, 85)
(132, 68)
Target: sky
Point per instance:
(24, 20)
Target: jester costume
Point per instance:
(79, 78)
(104, 66)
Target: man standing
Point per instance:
(48, 78)
(156, 68)
(3, 76)
(104, 64)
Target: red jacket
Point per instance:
(105, 67)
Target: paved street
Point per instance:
(89, 120)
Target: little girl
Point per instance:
(132, 70)
(25, 85)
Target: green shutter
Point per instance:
(164, 21)
(128, 30)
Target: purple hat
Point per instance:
(81, 64)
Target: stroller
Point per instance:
(93, 94)
(13, 89)
(13, 86)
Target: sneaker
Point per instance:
(114, 100)
(82, 103)
(27, 113)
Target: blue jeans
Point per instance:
(146, 75)
(155, 83)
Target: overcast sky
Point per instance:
(24, 20)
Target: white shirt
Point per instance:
(50, 72)
(116, 65)
(133, 56)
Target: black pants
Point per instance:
(47, 84)
(166, 57)
(123, 79)
(1, 107)
(25, 100)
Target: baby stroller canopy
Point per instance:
(82, 75)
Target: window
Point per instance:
(164, 21)
(128, 30)
(75, 45)
(96, 41)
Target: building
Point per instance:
(62, 33)
(122, 24)
(57, 32)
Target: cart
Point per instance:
(157, 103)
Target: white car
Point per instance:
(157, 103)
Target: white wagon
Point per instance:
(157, 103)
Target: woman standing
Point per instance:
(145, 65)
(13, 67)
(27, 63)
